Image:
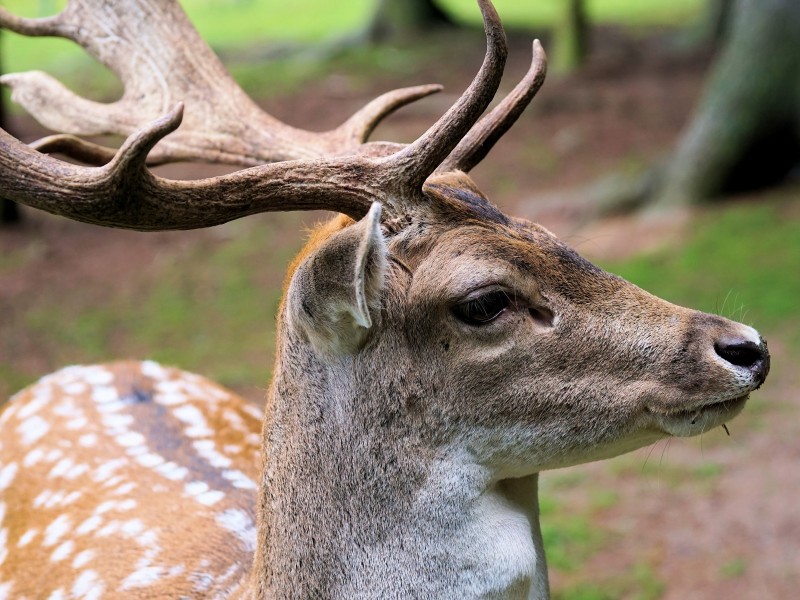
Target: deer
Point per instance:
(434, 354)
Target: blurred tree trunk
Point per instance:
(404, 18)
(717, 20)
(9, 211)
(745, 133)
(569, 37)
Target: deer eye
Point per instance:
(483, 309)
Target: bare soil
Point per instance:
(734, 534)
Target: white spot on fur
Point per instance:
(207, 450)
(41, 397)
(42, 498)
(27, 537)
(117, 421)
(61, 467)
(7, 474)
(107, 469)
(193, 488)
(192, 416)
(253, 411)
(137, 450)
(131, 438)
(142, 577)
(239, 479)
(87, 586)
(3, 546)
(88, 440)
(109, 529)
(82, 558)
(77, 423)
(104, 507)
(65, 407)
(5, 590)
(150, 460)
(153, 370)
(172, 471)
(172, 398)
(105, 394)
(71, 497)
(56, 530)
(114, 481)
(89, 525)
(53, 455)
(9, 410)
(75, 388)
(125, 489)
(211, 497)
(128, 504)
(57, 595)
(97, 376)
(110, 407)
(241, 525)
(63, 551)
(33, 457)
(132, 528)
(33, 429)
(76, 471)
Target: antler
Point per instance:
(161, 60)
(333, 170)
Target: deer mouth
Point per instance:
(684, 423)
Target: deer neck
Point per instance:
(355, 502)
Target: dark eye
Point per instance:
(482, 309)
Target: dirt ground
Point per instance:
(733, 535)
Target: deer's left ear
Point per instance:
(334, 296)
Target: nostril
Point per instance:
(741, 354)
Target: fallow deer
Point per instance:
(434, 354)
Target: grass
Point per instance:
(638, 583)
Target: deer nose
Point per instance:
(747, 355)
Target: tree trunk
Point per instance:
(569, 37)
(9, 211)
(746, 130)
(404, 18)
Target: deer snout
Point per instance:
(745, 354)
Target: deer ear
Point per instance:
(334, 296)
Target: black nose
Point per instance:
(754, 357)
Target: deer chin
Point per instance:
(686, 423)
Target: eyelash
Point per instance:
(483, 309)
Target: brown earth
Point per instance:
(732, 533)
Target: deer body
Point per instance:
(434, 355)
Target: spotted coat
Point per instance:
(127, 480)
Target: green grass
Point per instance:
(734, 568)
(570, 539)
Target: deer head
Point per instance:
(434, 353)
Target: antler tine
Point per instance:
(161, 60)
(419, 159)
(474, 147)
